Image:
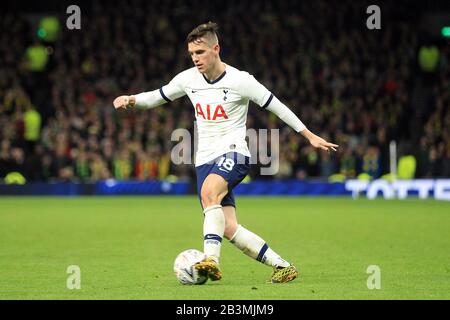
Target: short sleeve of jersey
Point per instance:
(175, 88)
(254, 91)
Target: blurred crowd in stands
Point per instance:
(356, 87)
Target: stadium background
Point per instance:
(360, 88)
(357, 87)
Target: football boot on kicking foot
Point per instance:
(210, 268)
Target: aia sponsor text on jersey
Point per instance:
(210, 113)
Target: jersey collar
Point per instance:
(219, 78)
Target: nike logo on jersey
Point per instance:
(224, 170)
(194, 91)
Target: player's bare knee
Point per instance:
(209, 197)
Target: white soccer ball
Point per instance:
(184, 267)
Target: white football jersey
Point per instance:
(220, 108)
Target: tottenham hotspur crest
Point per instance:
(225, 95)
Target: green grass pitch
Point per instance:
(125, 248)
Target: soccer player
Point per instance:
(220, 95)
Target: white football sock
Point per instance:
(255, 247)
(213, 229)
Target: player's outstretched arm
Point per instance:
(150, 99)
(317, 141)
(259, 94)
(124, 102)
(144, 100)
(285, 114)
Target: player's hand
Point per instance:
(321, 143)
(121, 102)
(318, 142)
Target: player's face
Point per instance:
(203, 56)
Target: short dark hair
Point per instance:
(205, 29)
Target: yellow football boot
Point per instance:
(210, 268)
(283, 275)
